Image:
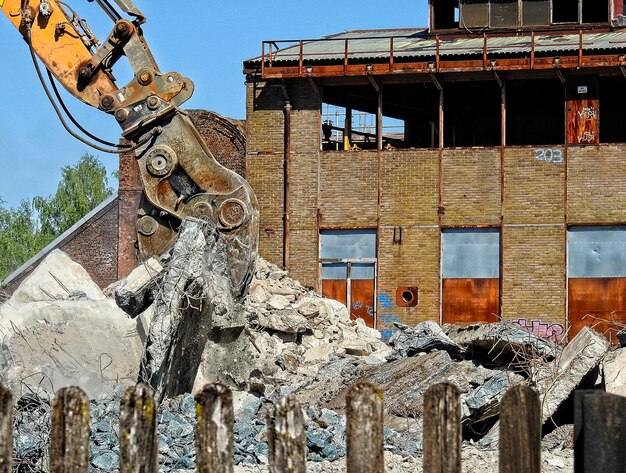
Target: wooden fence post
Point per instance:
(69, 433)
(286, 437)
(442, 429)
(364, 430)
(138, 444)
(215, 429)
(599, 432)
(520, 431)
(6, 430)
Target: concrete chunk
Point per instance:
(501, 342)
(57, 278)
(424, 337)
(134, 293)
(404, 383)
(614, 368)
(556, 381)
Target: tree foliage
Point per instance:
(81, 189)
(28, 228)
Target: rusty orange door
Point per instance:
(583, 112)
(362, 300)
(335, 289)
(599, 303)
(468, 301)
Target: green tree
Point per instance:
(20, 238)
(27, 229)
(81, 189)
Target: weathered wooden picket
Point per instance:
(520, 431)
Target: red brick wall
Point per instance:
(91, 246)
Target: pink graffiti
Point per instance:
(551, 331)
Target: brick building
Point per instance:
(104, 241)
(474, 170)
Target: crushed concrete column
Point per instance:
(195, 298)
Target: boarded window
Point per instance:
(470, 275)
(535, 12)
(348, 260)
(596, 271)
(474, 14)
(504, 13)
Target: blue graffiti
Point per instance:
(386, 334)
(389, 319)
(384, 301)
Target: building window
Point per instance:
(348, 270)
(472, 114)
(535, 112)
(596, 270)
(349, 118)
(470, 273)
(410, 116)
(345, 129)
(612, 110)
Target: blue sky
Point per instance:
(203, 40)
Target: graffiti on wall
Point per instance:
(586, 137)
(549, 330)
(550, 155)
(387, 319)
(588, 113)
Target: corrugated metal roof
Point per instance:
(375, 44)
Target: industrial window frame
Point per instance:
(581, 15)
(349, 262)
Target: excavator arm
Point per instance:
(180, 176)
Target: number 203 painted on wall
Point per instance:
(550, 155)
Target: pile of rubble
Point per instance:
(59, 329)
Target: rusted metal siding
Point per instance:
(470, 275)
(335, 289)
(467, 301)
(362, 300)
(583, 112)
(599, 303)
(597, 279)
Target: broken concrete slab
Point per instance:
(57, 278)
(556, 381)
(284, 320)
(48, 345)
(134, 293)
(614, 370)
(502, 342)
(195, 297)
(425, 337)
(404, 383)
